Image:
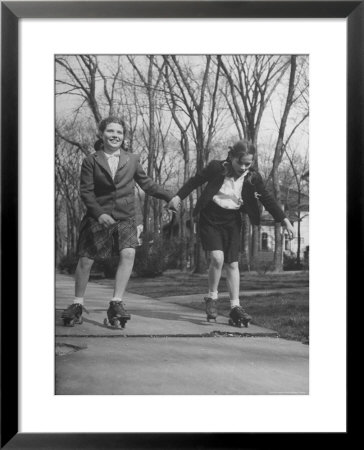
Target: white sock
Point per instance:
(213, 295)
(116, 299)
(234, 303)
(78, 300)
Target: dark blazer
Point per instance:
(116, 197)
(253, 189)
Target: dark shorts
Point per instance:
(220, 229)
(97, 242)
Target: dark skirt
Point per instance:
(97, 242)
(220, 229)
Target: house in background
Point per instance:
(296, 207)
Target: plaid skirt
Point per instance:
(97, 242)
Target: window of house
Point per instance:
(264, 241)
(286, 242)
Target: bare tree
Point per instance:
(81, 75)
(192, 94)
(252, 80)
(183, 126)
(278, 249)
(69, 207)
(299, 169)
(295, 91)
(150, 85)
(176, 108)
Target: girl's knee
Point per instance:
(127, 254)
(217, 259)
(85, 263)
(232, 265)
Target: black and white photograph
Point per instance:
(181, 200)
(182, 248)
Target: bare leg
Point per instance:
(216, 264)
(233, 280)
(126, 261)
(82, 275)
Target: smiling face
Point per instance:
(112, 137)
(241, 164)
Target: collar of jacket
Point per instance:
(101, 159)
(110, 155)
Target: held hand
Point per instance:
(291, 231)
(106, 220)
(174, 204)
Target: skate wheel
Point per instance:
(239, 324)
(80, 320)
(72, 323)
(231, 322)
(65, 322)
(122, 323)
(105, 322)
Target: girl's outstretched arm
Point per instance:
(199, 179)
(290, 230)
(267, 199)
(149, 186)
(272, 207)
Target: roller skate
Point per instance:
(211, 308)
(73, 315)
(116, 314)
(238, 316)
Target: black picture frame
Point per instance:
(11, 13)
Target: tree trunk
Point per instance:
(298, 258)
(278, 250)
(151, 153)
(255, 247)
(183, 239)
(70, 249)
(200, 260)
(59, 242)
(192, 239)
(246, 243)
(156, 217)
(182, 226)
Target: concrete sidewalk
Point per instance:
(168, 348)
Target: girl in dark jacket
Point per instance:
(233, 186)
(108, 179)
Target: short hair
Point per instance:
(111, 119)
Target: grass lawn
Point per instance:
(178, 283)
(288, 314)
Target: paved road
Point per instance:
(168, 348)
